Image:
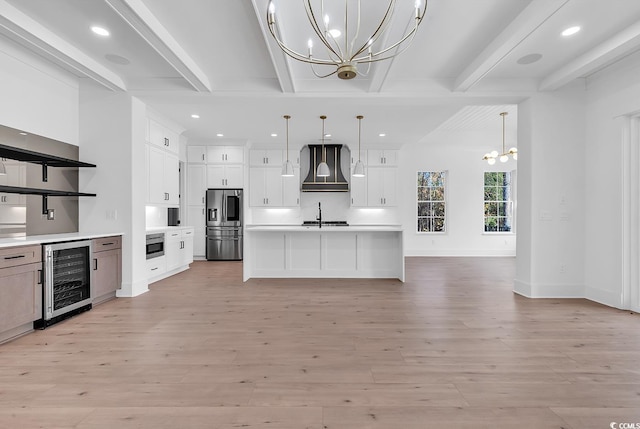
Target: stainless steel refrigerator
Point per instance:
(224, 224)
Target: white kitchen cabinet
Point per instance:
(196, 218)
(291, 189)
(196, 184)
(376, 157)
(225, 154)
(381, 186)
(163, 137)
(266, 157)
(225, 176)
(178, 248)
(354, 156)
(163, 176)
(358, 189)
(197, 154)
(265, 187)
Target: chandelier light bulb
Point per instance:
(494, 154)
(515, 156)
(491, 161)
(272, 8)
(326, 20)
(504, 158)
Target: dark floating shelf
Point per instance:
(45, 193)
(39, 158)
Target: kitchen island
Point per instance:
(294, 251)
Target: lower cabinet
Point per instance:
(20, 290)
(178, 254)
(107, 268)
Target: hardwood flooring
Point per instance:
(452, 347)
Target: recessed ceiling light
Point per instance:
(327, 135)
(382, 135)
(220, 135)
(571, 31)
(274, 135)
(100, 31)
(194, 116)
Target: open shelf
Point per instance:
(39, 158)
(45, 193)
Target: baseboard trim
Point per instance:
(131, 290)
(465, 253)
(605, 297)
(540, 290)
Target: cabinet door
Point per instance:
(257, 189)
(20, 296)
(273, 186)
(234, 154)
(358, 191)
(376, 157)
(173, 249)
(215, 176)
(375, 187)
(155, 172)
(390, 181)
(196, 184)
(216, 154)
(161, 136)
(291, 189)
(234, 175)
(187, 247)
(197, 154)
(196, 218)
(172, 179)
(257, 157)
(107, 273)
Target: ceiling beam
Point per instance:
(532, 17)
(26, 31)
(620, 45)
(140, 18)
(279, 59)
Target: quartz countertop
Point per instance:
(52, 238)
(325, 228)
(167, 228)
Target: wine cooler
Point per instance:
(67, 281)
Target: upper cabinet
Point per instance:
(380, 158)
(225, 154)
(266, 157)
(197, 154)
(162, 136)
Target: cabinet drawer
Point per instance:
(14, 256)
(106, 243)
(156, 267)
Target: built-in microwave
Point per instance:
(155, 245)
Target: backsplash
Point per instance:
(22, 215)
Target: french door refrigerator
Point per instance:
(224, 224)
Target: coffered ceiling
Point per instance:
(216, 58)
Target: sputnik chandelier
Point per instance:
(346, 48)
(504, 156)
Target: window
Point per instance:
(497, 202)
(431, 201)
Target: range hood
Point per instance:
(335, 182)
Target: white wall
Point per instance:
(460, 154)
(551, 210)
(112, 129)
(36, 96)
(612, 95)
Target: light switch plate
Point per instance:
(50, 214)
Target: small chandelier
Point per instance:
(504, 156)
(345, 48)
(287, 167)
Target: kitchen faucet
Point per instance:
(319, 217)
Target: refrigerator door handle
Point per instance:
(213, 215)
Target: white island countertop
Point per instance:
(325, 228)
(52, 238)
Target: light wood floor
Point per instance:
(453, 347)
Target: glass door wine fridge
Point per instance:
(67, 280)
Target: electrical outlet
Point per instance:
(50, 214)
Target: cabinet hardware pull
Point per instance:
(95, 264)
(39, 277)
(153, 269)
(14, 257)
(108, 244)
(203, 156)
(166, 141)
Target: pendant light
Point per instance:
(504, 156)
(358, 169)
(287, 167)
(323, 168)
